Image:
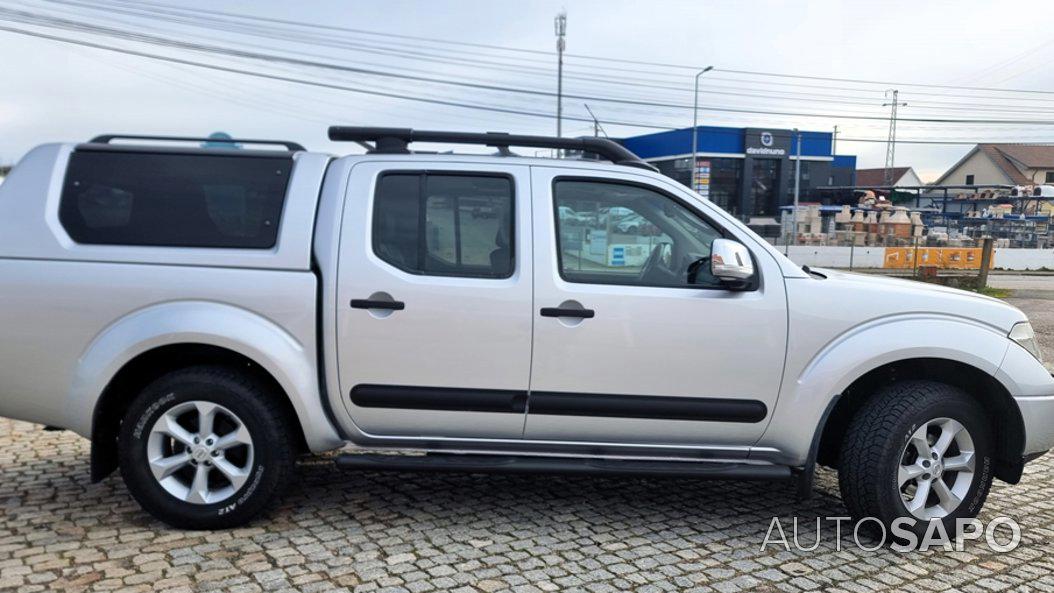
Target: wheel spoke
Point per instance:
(962, 462)
(922, 446)
(949, 429)
(240, 436)
(906, 473)
(164, 467)
(921, 494)
(206, 417)
(199, 488)
(235, 474)
(169, 426)
(948, 500)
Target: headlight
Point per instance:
(1023, 334)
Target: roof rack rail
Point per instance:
(395, 141)
(108, 138)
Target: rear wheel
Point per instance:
(919, 450)
(206, 448)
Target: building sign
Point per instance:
(702, 177)
(760, 142)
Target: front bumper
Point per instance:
(1032, 386)
(1037, 412)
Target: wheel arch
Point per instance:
(1000, 407)
(148, 366)
(161, 338)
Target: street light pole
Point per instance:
(793, 235)
(797, 178)
(695, 124)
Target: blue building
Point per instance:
(747, 171)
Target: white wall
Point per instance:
(837, 257)
(874, 257)
(1024, 259)
(909, 179)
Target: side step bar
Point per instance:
(447, 462)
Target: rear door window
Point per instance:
(174, 200)
(445, 224)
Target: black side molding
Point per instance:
(648, 407)
(601, 405)
(439, 398)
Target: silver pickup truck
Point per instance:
(206, 314)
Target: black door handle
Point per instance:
(377, 304)
(561, 312)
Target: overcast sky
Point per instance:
(50, 91)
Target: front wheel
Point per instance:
(920, 451)
(206, 448)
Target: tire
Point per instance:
(879, 442)
(262, 464)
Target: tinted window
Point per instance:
(174, 200)
(611, 233)
(448, 225)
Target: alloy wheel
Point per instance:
(200, 452)
(936, 468)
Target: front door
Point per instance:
(434, 318)
(634, 341)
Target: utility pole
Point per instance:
(597, 128)
(695, 124)
(891, 144)
(834, 142)
(560, 25)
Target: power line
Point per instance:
(862, 81)
(56, 22)
(359, 90)
(711, 89)
(936, 107)
(171, 9)
(232, 70)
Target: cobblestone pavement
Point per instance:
(419, 532)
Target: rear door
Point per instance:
(434, 319)
(635, 342)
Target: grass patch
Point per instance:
(999, 293)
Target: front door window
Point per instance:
(612, 233)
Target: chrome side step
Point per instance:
(447, 462)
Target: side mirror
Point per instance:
(730, 262)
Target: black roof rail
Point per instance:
(395, 141)
(108, 138)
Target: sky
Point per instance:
(975, 50)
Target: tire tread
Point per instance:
(872, 430)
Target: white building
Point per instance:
(902, 177)
(1003, 164)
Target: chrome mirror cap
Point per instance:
(730, 261)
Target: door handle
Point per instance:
(567, 312)
(377, 304)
